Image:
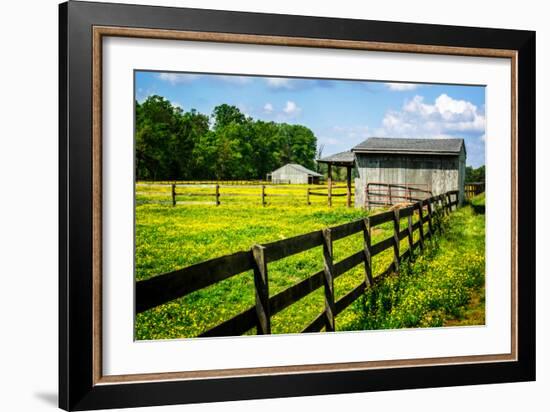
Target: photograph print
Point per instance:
(275, 205)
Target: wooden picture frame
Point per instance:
(82, 27)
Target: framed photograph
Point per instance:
(256, 205)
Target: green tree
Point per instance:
(175, 144)
(155, 126)
(225, 114)
(475, 175)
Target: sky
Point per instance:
(341, 113)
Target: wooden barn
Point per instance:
(294, 174)
(394, 170)
(433, 166)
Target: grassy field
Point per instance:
(249, 195)
(445, 286)
(169, 238)
(478, 203)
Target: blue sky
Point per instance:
(341, 113)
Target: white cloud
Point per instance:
(268, 108)
(482, 137)
(235, 79)
(279, 83)
(330, 141)
(175, 78)
(445, 117)
(351, 132)
(292, 109)
(401, 87)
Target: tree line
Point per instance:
(475, 175)
(175, 144)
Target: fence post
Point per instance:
(329, 193)
(173, 194)
(217, 194)
(421, 220)
(410, 235)
(430, 215)
(328, 279)
(368, 258)
(307, 196)
(439, 212)
(390, 194)
(348, 186)
(261, 286)
(263, 195)
(396, 239)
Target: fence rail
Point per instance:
(167, 287)
(262, 192)
(386, 194)
(473, 189)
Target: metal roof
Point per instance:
(342, 158)
(299, 168)
(412, 146)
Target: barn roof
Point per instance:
(410, 146)
(339, 159)
(300, 169)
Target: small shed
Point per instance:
(433, 166)
(294, 174)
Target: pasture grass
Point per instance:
(170, 238)
(445, 286)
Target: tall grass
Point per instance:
(437, 287)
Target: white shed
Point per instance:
(294, 174)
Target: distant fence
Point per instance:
(210, 182)
(473, 189)
(167, 287)
(329, 194)
(169, 193)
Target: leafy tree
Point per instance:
(155, 127)
(176, 144)
(225, 114)
(475, 175)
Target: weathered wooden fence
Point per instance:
(387, 194)
(329, 194)
(169, 193)
(473, 189)
(167, 287)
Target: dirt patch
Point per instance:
(473, 313)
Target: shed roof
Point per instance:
(412, 146)
(300, 169)
(342, 158)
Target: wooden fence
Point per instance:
(167, 287)
(329, 194)
(387, 194)
(262, 192)
(473, 189)
(210, 182)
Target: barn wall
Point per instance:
(438, 174)
(287, 173)
(461, 176)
